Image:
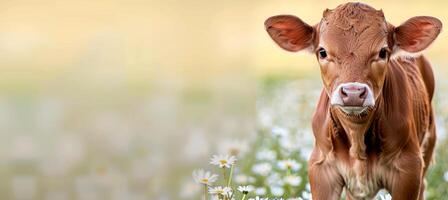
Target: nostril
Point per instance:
(363, 93)
(343, 93)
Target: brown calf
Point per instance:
(374, 124)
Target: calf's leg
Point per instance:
(326, 183)
(407, 180)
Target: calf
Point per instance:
(374, 124)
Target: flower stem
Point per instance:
(244, 197)
(225, 174)
(205, 192)
(230, 176)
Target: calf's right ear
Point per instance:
(289, 32)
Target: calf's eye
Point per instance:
(322, 53)
(383, 53)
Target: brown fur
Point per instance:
(390, 145)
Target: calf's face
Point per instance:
(353, 44)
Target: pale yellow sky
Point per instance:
(144, 38)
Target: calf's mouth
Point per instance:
(354, 113)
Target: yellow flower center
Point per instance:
(223, 162)
(204, 180)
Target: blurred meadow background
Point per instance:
(124, 99)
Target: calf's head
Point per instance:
(353, 44)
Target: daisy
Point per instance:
(307, 195)
(262, 169)
(386, 197)
(279, 132)
(234, 147)
(293, 180)
(220, 191)
(260, 191)
(275, 179)
(245, 189)
(277, 191)
(223, 161)
(258, 198)
(266, 155)
(243, 179)
(204, 177)
(289, 164)
(445, 176)
(383, 195)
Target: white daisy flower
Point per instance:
(260, 191)
(245, 189)
(289, 164)
(277, 191)
(279, 132)
(293, 180)
(305, 153)
(445, 176)
(386, 197)
(258, 198)
(220, 191)
(223, 161)
(307, 195)
(266, 155)
(308, 187)
(244, 179)
(383, 195)
(290, 143)
(204, 177)
(262, 169)
(234, 147)
(275, 179)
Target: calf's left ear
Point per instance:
(417, 33)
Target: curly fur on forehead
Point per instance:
(356, 16)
